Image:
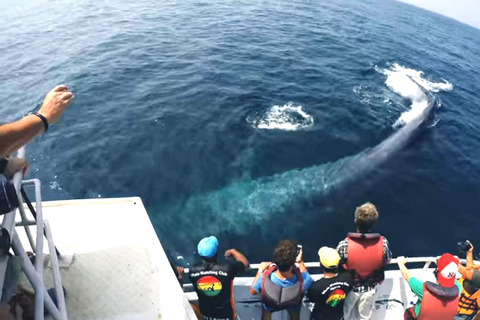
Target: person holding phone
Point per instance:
(283, 282)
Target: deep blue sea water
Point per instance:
(193, 104)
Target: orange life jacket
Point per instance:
(365, 258)
(469, 303)
(438, 303)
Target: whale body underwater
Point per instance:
(241, 205)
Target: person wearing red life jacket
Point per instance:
(282, 284)
(365, 255)
(469, 303)
(436, 301)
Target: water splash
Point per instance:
(405, 82)
(288, 117)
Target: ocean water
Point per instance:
(254, 121)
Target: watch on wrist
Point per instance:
(44, 120)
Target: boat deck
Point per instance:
(112, 264)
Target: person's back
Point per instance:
(441, 297)
(213, 281)
(365, 254)
(282, 284)
(329, 293)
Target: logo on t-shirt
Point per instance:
(336, 297)
(210, 286)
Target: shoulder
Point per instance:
(316, 288)
(345, 276)
(415, 283)
(342, 243)
(195, 268)
(306, 275)
(385, 242)
(235, 267)
(342, 247)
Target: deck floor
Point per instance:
(119, 269)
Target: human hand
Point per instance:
(55, 103)
(14, 165)
(230, 253)
(299, 258)
(180, 272)
(401, 260)
(471, 247)
(264, 266)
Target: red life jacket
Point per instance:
(438, 303)
(365, 258)
(279, 298)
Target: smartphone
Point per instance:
(299, 248)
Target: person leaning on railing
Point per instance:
(16, 134)
(213, 280)
(470, 295)
(436, 300)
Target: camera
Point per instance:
(8, 197)
(464, 246)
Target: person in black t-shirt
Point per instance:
(213, 281)
(328, 293)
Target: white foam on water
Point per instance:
(288, 117)
(399, 80)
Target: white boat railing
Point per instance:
(33, 272)
(427, 262)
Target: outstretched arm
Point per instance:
(16, 134)
(237, 256)
(256, 284)
(403, 269)
(467, 271)
(299, 261)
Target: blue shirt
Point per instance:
(283, 283)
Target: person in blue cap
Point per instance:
(213, 281)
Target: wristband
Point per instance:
(44, 120)
(3, 164)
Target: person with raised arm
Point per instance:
(469, 303)
(436, 300)
(213, 281)
(16, 134)
(283, 282)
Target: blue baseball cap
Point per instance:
(207, 247)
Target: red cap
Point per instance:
(447, 267)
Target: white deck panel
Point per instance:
(119, 268)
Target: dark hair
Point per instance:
(284, 254)
(211, 259)
(329, 270)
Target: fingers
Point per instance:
(67, 95)
(60, 88)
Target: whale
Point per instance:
(240, 205)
